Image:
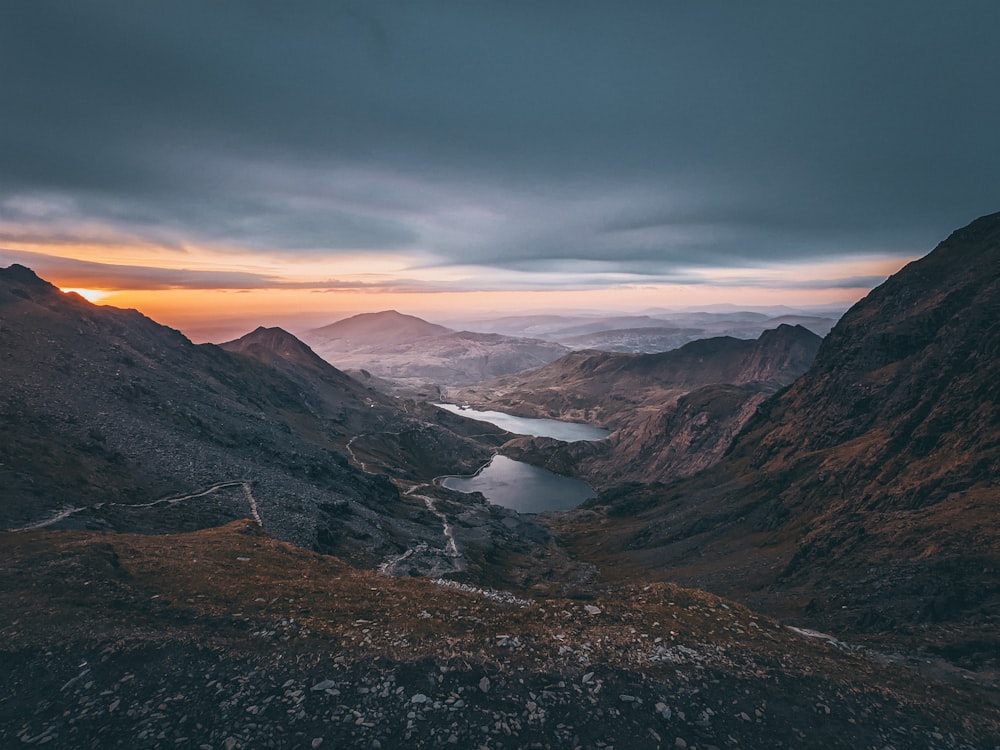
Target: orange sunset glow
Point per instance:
(177, 290)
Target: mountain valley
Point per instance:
(672, 413)
(794, 541)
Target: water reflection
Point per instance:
(553, 428)
(523, 487)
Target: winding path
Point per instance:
(65, 513)
(450, 550)
(450, 547)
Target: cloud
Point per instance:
(640, 138)
(71, 272)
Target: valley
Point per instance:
(496, 537)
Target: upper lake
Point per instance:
(552, 428)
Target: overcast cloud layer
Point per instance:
(630, 139)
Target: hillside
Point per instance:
(864, 496)
(673, 413)
(111, 421)
(611, 389)
(227, 638)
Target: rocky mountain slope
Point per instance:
(413, 353)
(674, 413)
(866, 495)
(229, 639)
(111, 421)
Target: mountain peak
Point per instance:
(277, 342)
(385, 327)
(16, 274)
(878, 465)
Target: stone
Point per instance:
(484, 684)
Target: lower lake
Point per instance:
(553, 428)
(522, 487)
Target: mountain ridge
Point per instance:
(864, 494)
(111, 421)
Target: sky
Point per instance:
(222, 164)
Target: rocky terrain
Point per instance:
(672, 413)
(413, 354)
(229, 639)
(113, 422)
(864, 497)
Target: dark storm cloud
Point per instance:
(655, 135)
(87, 274)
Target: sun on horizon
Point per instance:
(91, 295)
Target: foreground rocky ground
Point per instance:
(226, 638)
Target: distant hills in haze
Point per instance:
(404, 350)
(412, 351)
(655, 331)
(384, 328)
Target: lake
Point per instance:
(566, 431)
(522, 487)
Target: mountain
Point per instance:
(413, 353)
(648, 340)
(658, 331)
(376, 329)
(672, 413)
(865, 496)
(112, 421)
(612, 389)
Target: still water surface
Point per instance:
(522, 487)
(553, 428)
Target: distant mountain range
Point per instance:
(413, 352)
(658, 331)
(406, 354)
(865, 496)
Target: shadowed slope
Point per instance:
(868, 490)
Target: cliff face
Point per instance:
(869, 488)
